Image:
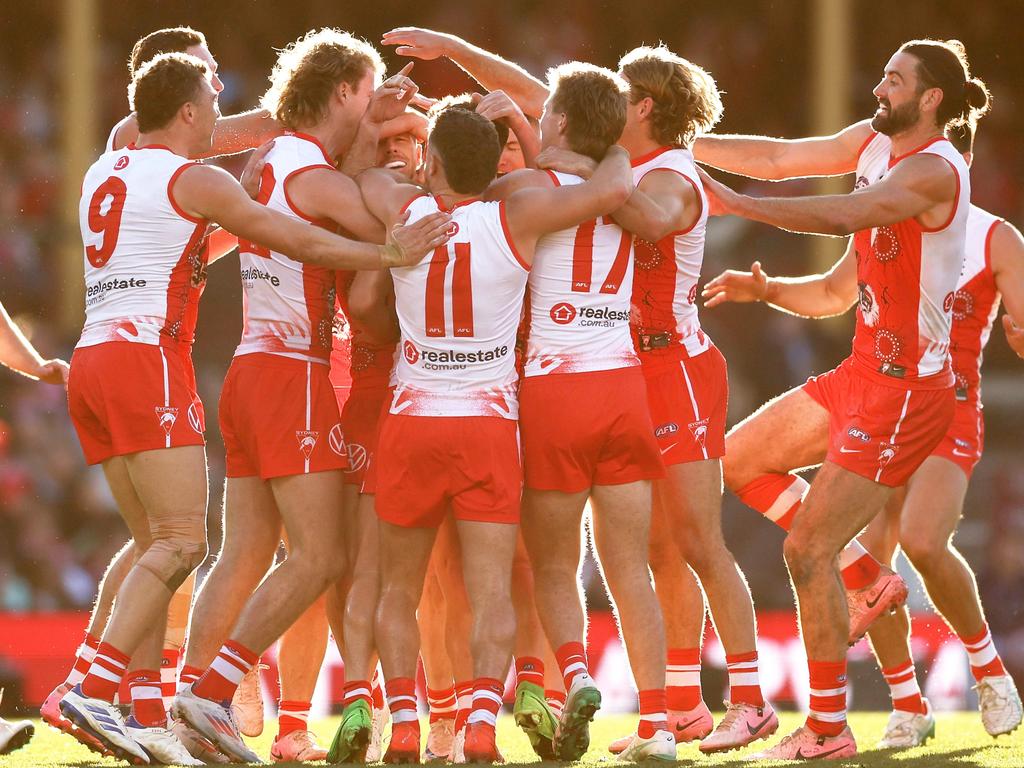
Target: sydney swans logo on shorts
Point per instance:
(699, 430)
(307, 441)
(886, 453)
(166, 416)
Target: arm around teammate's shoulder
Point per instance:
(662, 203)
(385, 194)
(1007, 259)
(763, 157)
(535, 212)
(206, 192)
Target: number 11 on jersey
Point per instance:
(460, 292)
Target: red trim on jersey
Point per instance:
(291, 203)
(956, 201)
(650, 156)
(893, 160)
(446, 209)
(410, 201)
(462, 292)
(700, 200)
(170, 195)
(508, 236)
(314, 140)
(180, 311)
(865, 145)
(554, 176)
(988, 243)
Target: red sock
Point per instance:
(147, 703)
(402, 700)
(83, 660)
(487, 693)
(220, 681)
(292, 716)
(529, 669)
(682, 679)
(464, 702)
(105, 673)
(356, 690)
(188, 676)
(858, 568)
(652, 713)
(572, 661)
(903, 687)
(828, 697)
(169, 674)
(777, 497)
(555, 700)
(442, 703)
(744, 684)
(981, 651)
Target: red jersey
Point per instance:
(907, 276)
(975, 305)
(356, 363)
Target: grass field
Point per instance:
(960, 741)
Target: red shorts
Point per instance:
(126, 397)
(965, 439)
(688, 400)
(427, 463)
(585, 429)
(360, 423)
(877, 431)
(278, 417)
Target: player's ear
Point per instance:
(645, 107)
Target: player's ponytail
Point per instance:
(943, 65)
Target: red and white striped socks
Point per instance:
(653, 715)
(169, 674)
(572, 661)
(487, 692)
(292, 716)
(529, 669)
(442, 703)
(188, 676)
(356, 690)
(402, 702)
(827, 714)
(981, 652)
(903, 688)
(744, 681)
(221, 680)
(83, 660)
(104, 677)
(682, 679)
(778, 497)
(556, 701)
(147, 703)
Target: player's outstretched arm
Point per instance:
(490, 70)
(762, 157)
(206, 192)
(231, 134)
(916, 186)
(18, 354)
(534, 212)
(1007, 254)
(824, 295)
(322, 193)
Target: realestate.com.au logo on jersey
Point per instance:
(450, 359)
(564, 313)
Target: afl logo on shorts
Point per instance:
(563, 313)
(356, 457)
(336, 439)
(412, 355)
(122, 162)
(664, 430)
(193, 419)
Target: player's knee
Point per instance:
(801, 557)
(172, 559)
(923, 551)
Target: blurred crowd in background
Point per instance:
(58, 521)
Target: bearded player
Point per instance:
(876, 417)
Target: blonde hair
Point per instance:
(686, 99)
(308, 70)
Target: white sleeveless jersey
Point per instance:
(287, 306)
(907, 276)
(580, 287)
(145, 258)
(109, 146)
(665, 283)
(459, 312)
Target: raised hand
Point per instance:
(496, 106)
(392, 97)
(409, 243)
(419, 43)
(741, 287)
(253, 170)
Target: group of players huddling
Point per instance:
(505, 329)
